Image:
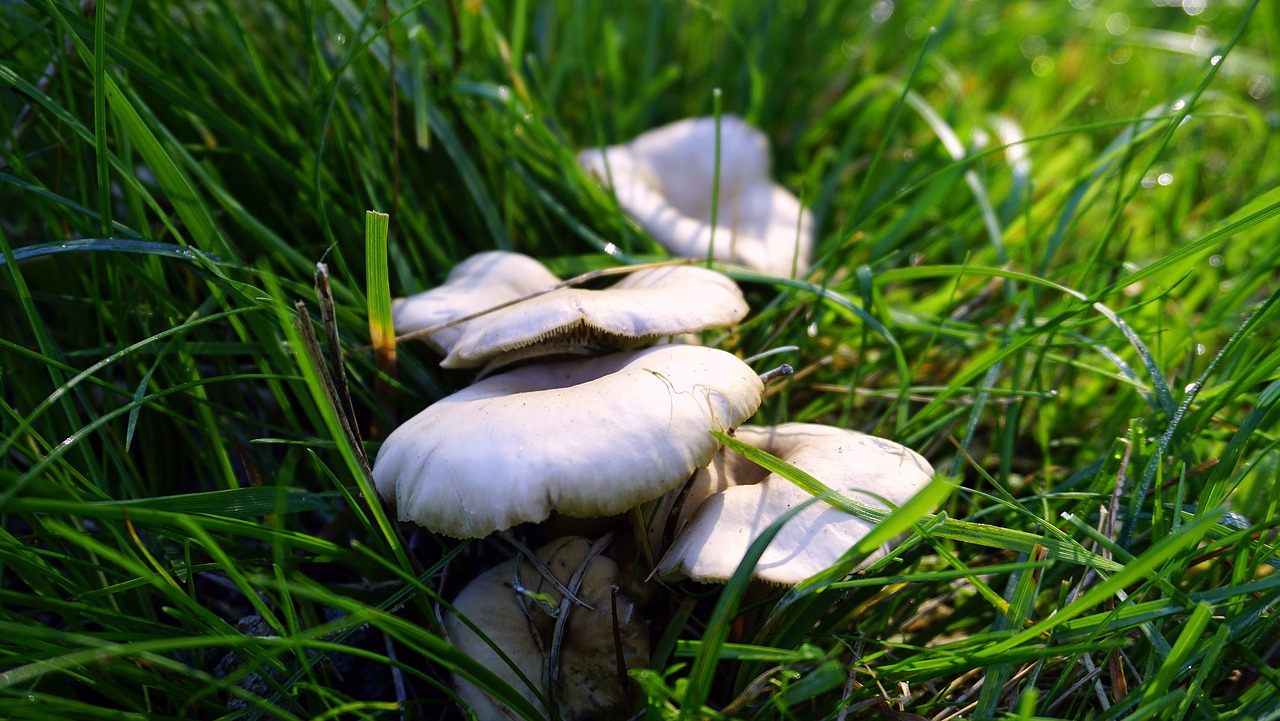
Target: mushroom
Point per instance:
(482, 281)
(643, 306)
(731, 502)
(588, 438)
(598, 641)
(664, 178)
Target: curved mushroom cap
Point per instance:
(644, 305)
(731, 502)
(587, 437)
(479, 282)
(587, 680)
(664, 179)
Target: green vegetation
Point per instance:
(1046, 259)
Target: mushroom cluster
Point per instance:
(583, 409)
(571, 416)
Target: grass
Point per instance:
(1046, 260)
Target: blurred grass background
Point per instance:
(1046, 259)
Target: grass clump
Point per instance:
(1044, 260)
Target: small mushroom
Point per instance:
(643, 306)
(588, 438)
(482, 281)
(731, 502)
(517, 609)
(664, 178)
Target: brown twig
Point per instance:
(342, 391)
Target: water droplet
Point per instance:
(1259, 87)
(1215, 260)
(916, 259)
(1119, 53)
(909, 154)
(1193, 7)
(528, 118)
(1053, 393)
(1192, 387)
(1178, 105)
(1033, 46)
(1118, 24)
(1199, 348)
(1200, 39)
(812, 330)
(1215, 60)
(340, 39)
(882, 11)
(851, 49)
(504, 93)
(1042, 66)
(1165, 178)
(1148, 182)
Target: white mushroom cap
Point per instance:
(742, 500)
(664, 179)
(643, 306)
(587, 438)
(587, 682)
(482, 281)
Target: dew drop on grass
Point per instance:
(340, 39)
(1259, 87)
(1033, 46)
(812, 330)
(1119, 53)
(504, 93)
(882, 11)
(1199, 348)
(1193, 7)
(1215, 260)
(916, 259)
(1165, 178)
(1118, 24)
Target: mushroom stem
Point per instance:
(551, 667)
(542, 569)
(781, 371)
